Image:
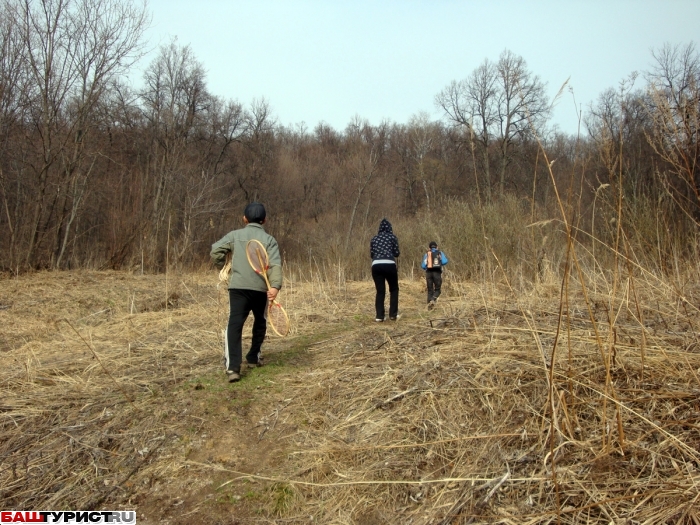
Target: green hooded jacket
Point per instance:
(243, 277)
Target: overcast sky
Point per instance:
(332, 60)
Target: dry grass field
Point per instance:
(525, 406)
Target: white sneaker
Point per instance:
(398, 316)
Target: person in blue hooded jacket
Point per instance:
(433, 262)
(384, 249)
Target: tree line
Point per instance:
(96, 174)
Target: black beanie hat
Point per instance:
(432, 244)
(255, 212)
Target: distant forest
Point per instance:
(96, 175)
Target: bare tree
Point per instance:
(471, 103)
(674, 107)
(175, 104)
(74, 49)
(403, 161)
(421, 143)
(14, 87)
(367, 149)
(497, 102)
(107, 41)
(203, 195)
(522, 103)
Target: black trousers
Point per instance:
(382, 274)
(241, 303)
(433, 279)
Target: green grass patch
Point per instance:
(283, 498)
(210, 386)
(210, 382)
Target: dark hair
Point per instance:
(432, 244)
(255, 212)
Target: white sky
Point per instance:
(331, 60)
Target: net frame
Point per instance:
(279, 320)
(257, 257)
(260, 262)
(225, 273)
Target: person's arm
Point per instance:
(424, 263)
(371, 248)
(444, 258)
(219, 250)
(274, 273)
(397, 252)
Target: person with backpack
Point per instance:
(384, 249)
(433, 261)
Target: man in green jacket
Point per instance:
(247, 290)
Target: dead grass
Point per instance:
(85, 357)
(459, 415)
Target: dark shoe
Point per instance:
(255, 365)
(233, 376)
(398, 316)
(431, 305)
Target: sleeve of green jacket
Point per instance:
(220, 249)
(274, 274)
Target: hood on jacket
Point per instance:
(385, 226)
